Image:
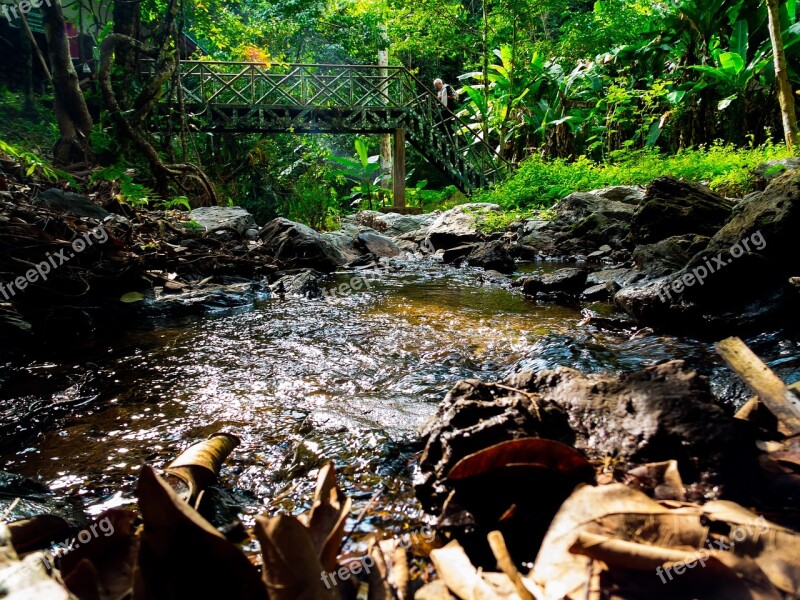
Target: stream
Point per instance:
(302, 381)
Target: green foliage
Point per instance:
(130, 192)
(540, 183)
(314, 202)
(363, 170)
(33, 164)
(492, 222)
(178, 201)
(192, 225)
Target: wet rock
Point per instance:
(772, 169)
(602, 252)
(70, 203)
(474, 416)
(299, 246)
(458, 225)
(599, 292)
(35, 499)
(661, 258)
(492, 256)
(672, 207)
(306, 283)
(198, 301)
(619, 276)
(377, 244)
(345, 244)
(659, 413)
(234, 218)
(453, 255)
(563, 281)
(583, 223)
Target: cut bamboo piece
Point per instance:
(770, 389)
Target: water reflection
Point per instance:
(303, 381)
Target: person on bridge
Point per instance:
(446, 94)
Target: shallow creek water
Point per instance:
(302, 381)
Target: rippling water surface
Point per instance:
(302, 381)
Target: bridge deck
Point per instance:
(243, 97)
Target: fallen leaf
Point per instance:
(199, 465)
(328, 516)
(292, 570)
(181, 555)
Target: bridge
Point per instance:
(246, 97)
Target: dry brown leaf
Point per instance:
(435, 590)
(459, 575)
(181, 555)
(37, 532)
(199, 465)
(663, 478)
(26, 579)
(292, 570)
(328, 516)
(523, 453)
(111, 554)
(625, 529)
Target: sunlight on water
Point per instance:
(303, 381)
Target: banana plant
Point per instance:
(363, 170)
(731, 74)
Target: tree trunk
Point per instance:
(29, 102)
(72, 114)
(785, 97)
(127, 20)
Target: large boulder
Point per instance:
(584, 221)
(740, 280)
(660, 413)
(570, 281)
(213, 218)
(298, 246)
(492, 256)
(344, 243)
(672, 207)
(772, 169)
(393, 224)
(661, 258)
(379, 245)
(458, 226)
(71, 204)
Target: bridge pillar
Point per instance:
(399, 168)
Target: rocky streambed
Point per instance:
(313, 346)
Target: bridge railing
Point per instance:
(350, 87)
(298, 85)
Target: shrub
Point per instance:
(540, 183)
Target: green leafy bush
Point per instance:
(540, 183)
(130, 192)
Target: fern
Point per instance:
(33, 163)
(130, 192)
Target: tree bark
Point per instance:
(72, 114)
(29, 102)
(127, 21)
(785, 97)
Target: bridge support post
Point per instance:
(399, 168)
